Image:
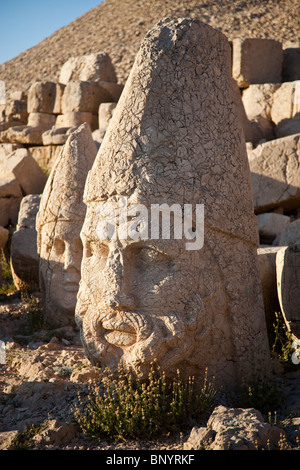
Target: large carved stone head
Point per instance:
(59, 222)
(174, 144)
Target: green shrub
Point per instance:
(282, 341)
(119, 407)
(263, 395)
(7, 286)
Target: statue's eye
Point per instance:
(96, 249)
(149, 254)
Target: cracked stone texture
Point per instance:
(175, 137)
(59, 222)
(275, 174)
(24, 258)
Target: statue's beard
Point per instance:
(135, 340)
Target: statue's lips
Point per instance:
(119, 333)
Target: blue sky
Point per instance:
(24, 23)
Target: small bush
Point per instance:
(122, 408)
(7, 286)
(263, 395)
(282, 341)
(24, 439)
(34, 312)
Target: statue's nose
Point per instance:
(116, 292)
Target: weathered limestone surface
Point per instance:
(267, 271)
(24, 258)
(286, 102)
(41, 120)
(256, 61)
(16, 108)
(9, 208)
(59, 222)
(288, 286)
(57, 136)
(257, 100)
(275, 174)
(223, 432)
(175, 138)
(9, 185)
(46, 155)
(90, 67)
(105, 114)
(75, 119)
(84, 96)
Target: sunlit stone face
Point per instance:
(142, 300)
(60, 258)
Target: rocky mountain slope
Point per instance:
(118, 27)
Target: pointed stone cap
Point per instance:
(62, 198)
(175, 135)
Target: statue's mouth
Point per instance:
(119, 333)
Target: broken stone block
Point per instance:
(45, 155)
(16, 110)
(45, 97)
(258, 98)
(92, 67)
(286, 102)
(256, 60)
(83, 97)
(6, 149)
(271, 226)
(267, 272)
(24, 258)
(98, 135)
(291, 64)
(288, 286)
(274, 167)
(26, 135)
(75, 119)
(114, 89)
(105, 114)
(57, 136)
(41, 120)
(9, 185)
(257, 101)
(243, 429)
(30, 176)
(288, 127)
(291, 234)
(4, 234)
(9, 209)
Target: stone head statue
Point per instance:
(59, 221)
(169, 269)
